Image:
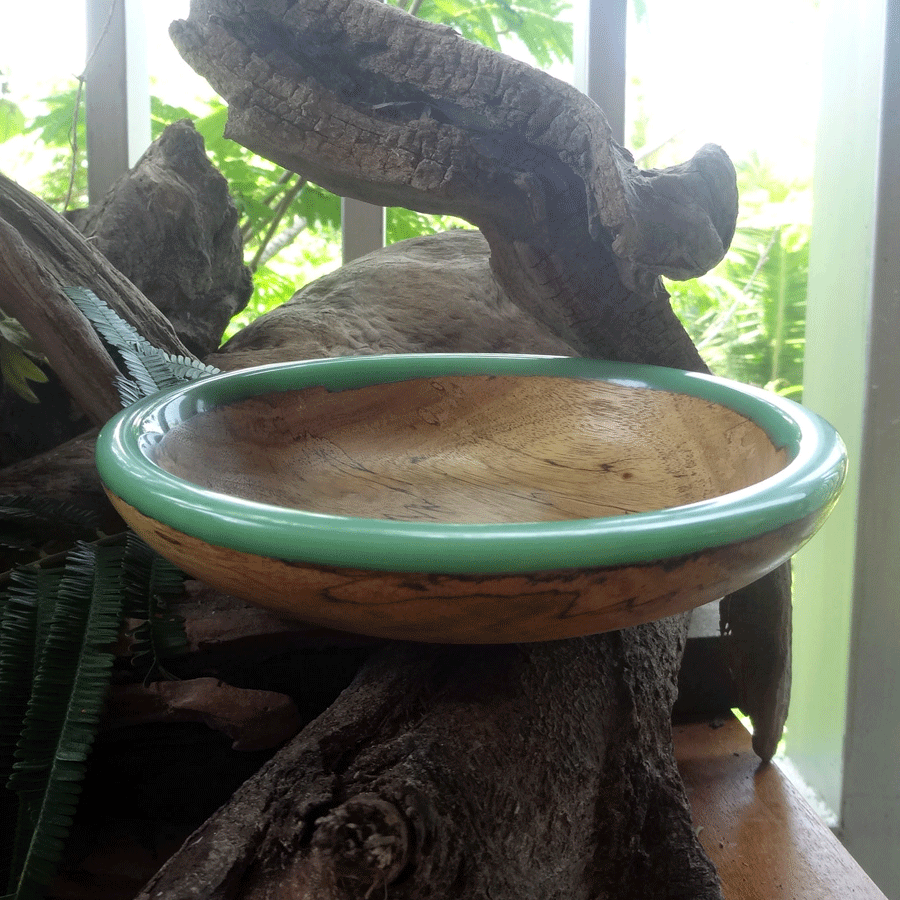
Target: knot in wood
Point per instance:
(365, 841)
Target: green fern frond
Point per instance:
(129, 393)
(13, 539)
(70, 684)
(58, 627)
(188, 369)
(151, 581)
(26, 609)
(27, 523)
(109, 325)
(44, 511)
(150, 368)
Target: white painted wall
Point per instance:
(870, 808)
(844, 729)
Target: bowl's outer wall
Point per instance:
(478, 609)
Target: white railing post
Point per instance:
(117, 92)
(362, 228)
(599, 51)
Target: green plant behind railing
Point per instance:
(748, 316)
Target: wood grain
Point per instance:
(474, 609)
(473, 449)
(763, 837)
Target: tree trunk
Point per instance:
(528, 771)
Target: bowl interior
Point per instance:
(472, 449)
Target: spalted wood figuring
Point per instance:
(473, 449)
(475, 609)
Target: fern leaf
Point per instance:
(109, 325)
(150, 368)
(187, 368)
(25, 614)
(70, 684)
(150, 582)
(129, 393)
(43, 511)
(28, 523)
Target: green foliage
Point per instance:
(17, 355)
(748, 316)
(58, 625)
(27, 524)
(54, 129)
(12, 119)
(403, 223)
(71, 677)
(536, 23)
(151, 582)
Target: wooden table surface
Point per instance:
(764, 838)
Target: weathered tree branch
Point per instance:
(461, 131)
(374, 103)
(40, 253)
(561, 779)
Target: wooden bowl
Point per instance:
(472, 498)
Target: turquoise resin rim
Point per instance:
(809, 484)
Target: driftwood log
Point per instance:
(167, 233)
(540, 770)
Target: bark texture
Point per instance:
(558, 788)
(430, 294)
(171, 228)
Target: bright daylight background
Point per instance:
(743, 76)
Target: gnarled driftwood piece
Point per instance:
(374, 103)
(41, 253)
(171, 228)
(465, 772)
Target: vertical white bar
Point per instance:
(834, 377)
(117, 92)
(599, 49)
(870, 812)
(362, 228)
